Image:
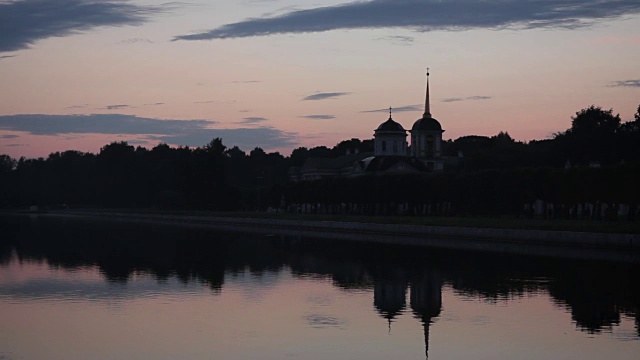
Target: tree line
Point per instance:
(595, 160)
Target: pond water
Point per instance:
(74, 288)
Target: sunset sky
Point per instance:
(279, 74)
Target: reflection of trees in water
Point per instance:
(596, 294)
(495, 278)
(119, 250)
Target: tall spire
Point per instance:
(427, 106)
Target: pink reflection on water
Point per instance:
(275, 315)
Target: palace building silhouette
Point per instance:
(392, 154)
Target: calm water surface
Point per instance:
(81, 289)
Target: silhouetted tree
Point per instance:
(632, 126)
(118, 174)
(7, 163)
(592, 137)
(235, 153)
(352, 146)
(215, 147)
(594, 121)
(7, 166)
(299, 156)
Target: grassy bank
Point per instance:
(594, 226)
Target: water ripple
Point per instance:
(320, 321)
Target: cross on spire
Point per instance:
(389, 112)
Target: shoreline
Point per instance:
(583, 245)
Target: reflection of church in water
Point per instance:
(425, 297)
(392, 153)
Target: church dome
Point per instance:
(426, 124)
(390, 125)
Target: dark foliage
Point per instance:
(123, 176)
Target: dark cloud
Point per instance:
(319, 117)
(39, 124)
(15, 145)
(24, 22)
(177, 132)
(246, 82)
(429, 15)
(625, 83)
(9, 136)
(154, 104)
(477, 97)
(416, 107)
(323, 96)
(246, 138)
(253, 120)
(6, 56)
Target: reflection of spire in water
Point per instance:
(426, 300)
(425, 326)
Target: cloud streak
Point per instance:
(415, 107)
(25, 22)
(399, 39)
(252, 120)
(617, 40)
(116, 107)
(319, 117)
(214, 102)
(77, 106)
(625, 83)
(177, 132)
(136, 41)
(324, 96)
(477, 97)
(429, 15)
